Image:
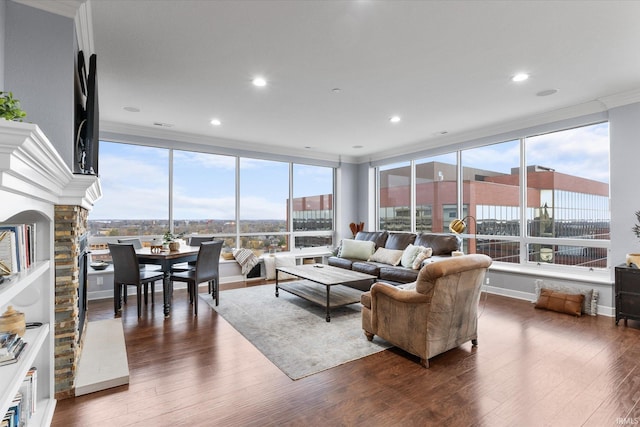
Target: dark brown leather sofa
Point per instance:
(441, 243)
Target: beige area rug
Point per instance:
(292, 333)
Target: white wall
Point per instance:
(3, 8)
(39, 60)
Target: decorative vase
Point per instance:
(633, 259)
(174, 246)
(12, 321)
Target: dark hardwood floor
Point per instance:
(531, 368)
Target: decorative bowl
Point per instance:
(99, 265)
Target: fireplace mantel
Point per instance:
(31, 166)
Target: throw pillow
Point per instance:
(409, 255)
(246, 259)
(590, 303)
(357, 249)
(560, 302)
(270, 266)
(424, 254)
(387, 256)
(285, 261)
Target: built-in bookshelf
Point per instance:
(33, 179)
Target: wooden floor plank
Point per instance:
(532, 368)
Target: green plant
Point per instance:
(10, 107)
(169, 237)
(636, 228)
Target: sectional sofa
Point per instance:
(387, 257)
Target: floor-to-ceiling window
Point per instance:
(263, 205)
(556, 214)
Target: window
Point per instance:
(568, 196)
(565, 222)
(435, 186)
(394, 198)
(246, 202)
(312, 208)
(135, 187)
(264, 192)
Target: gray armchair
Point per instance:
(437, 314)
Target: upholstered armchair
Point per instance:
(435, 314)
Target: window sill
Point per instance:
(601, 277)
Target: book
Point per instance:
(8, 261)
(15, 354)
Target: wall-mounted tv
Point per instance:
(87, 118)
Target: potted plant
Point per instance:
(634, 258)
(10, 107)
(170, 240)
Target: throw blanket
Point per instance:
(246, 259)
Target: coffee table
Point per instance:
(323, 285)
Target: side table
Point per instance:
(627, 293)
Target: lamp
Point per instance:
(458, 226)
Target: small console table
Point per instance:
(627, 293)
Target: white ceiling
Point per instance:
(440, 65)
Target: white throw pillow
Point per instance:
(424, 254)
(409, 255)
(357, 249)
(387, 256)
(270, 266)
(285, 261)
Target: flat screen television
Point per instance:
(87, 118)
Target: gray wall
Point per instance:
(39, 60)
(3, 8)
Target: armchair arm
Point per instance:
(400, 295)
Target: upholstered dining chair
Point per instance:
(127, 272)
(206, 271)
(192, 241)
(434, 314)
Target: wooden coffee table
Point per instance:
(323, 285)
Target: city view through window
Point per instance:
(245, 202)
(566, 220)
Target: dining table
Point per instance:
(166, 259)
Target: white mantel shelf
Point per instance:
(31, 166)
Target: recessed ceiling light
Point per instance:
(547, 92)
(308, 147)
(132, 109)
(216, 122)
(394, 119)
(164, 125)
(520, 77)
(336, 90)
(357, 146)
(259, 81)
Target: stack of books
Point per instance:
(11, 346)
(24, 403)
(17, 247)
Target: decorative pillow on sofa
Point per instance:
(590, 303)
(387, 256)
(409, 255)
(560, 302)
(356, 249)
(424, 254)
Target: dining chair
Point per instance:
(127, 272)
(206, 270)
(192, 241)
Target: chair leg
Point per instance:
(195, 299)
(117, 295)
(139, 300)
(146, 293)
(153, 292)
(217, 290)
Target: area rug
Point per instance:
(292, 333)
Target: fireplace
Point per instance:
(83, 282)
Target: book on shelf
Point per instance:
(17, 247)
(11, 347)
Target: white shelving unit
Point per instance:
(33, 179)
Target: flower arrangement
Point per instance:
(636, 227)
(169, 237)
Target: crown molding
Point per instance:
(66, 8)
(620, 99)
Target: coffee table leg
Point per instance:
(167, 295)
(277, 294)
(328, 304)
